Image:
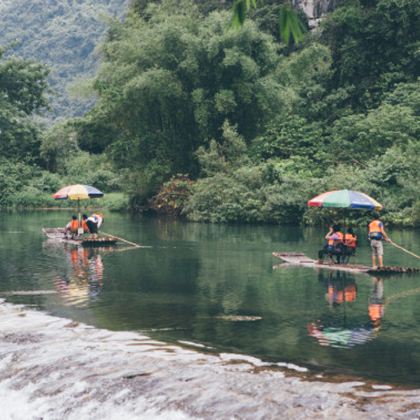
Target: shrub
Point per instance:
(172, 196)
(31, 197)
(115, 202)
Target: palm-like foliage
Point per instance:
(290, 26)
(240, 10)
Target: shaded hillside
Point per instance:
(62, 34)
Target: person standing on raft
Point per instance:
(376, 234)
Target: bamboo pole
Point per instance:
(403, 249)
(125, 240)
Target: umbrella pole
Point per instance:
(79, 230)
(344, 224)
(344, 233)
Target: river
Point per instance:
(212, 290)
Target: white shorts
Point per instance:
(377, 248)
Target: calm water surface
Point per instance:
(199, 283)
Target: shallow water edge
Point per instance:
(54, 368)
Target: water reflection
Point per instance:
(341, 288)
(376, 302)
(82, 280)
(338, 329)
(197, 279)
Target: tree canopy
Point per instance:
(168, 85)
(22, 92)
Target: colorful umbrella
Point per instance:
(77, 192)
(345, 199)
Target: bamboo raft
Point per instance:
(58, 234)
(299, 259)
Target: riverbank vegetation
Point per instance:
(196, 119)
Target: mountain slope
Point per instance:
(61, 34)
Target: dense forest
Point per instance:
(197, 119)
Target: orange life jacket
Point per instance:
(74, 225)
(350, 293)
(350, 240)
(85, 226)
(74, 256)
(336, 241)
(376, 230)
(376, 311)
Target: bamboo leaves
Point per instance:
(240, 9)
(290, 26)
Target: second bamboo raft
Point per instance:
(300, 259)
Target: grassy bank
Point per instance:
(35, 200)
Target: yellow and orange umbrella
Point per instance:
(77, 192)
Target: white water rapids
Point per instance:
(53, 368)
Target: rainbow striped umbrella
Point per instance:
(77, 192)
(345, 199)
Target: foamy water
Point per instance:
(53, 368)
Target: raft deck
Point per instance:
(299, 259)
(58, 234)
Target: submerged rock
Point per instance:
(239, 317)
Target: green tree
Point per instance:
(58, 144)
(169, 82)
(22, 88)
(374, 45)
(363, 137)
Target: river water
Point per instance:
(217, 288)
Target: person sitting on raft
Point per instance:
(94, 222)
(84, 224)
(350, 242)
(72, 227)
(334, 245)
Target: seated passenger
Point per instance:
(350, 242)
(72, 226)
(334, 245)
(84, 224)
(94, 222)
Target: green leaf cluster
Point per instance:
(22, 88)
